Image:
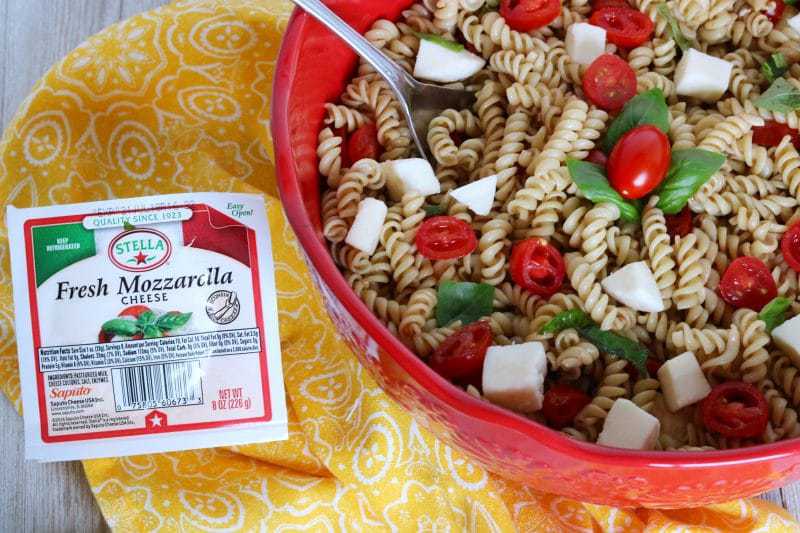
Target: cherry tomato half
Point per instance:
(775, 13)
(747, 283)
(363, 144)
(445, 237)
(639, 161)
(134, 311)
(562, 404)
(681, 224)
(527, 15)
(609, 82)
(597, 157)
(735, 409)
(772, 133)
(600, 4)
(790, 246)
(653, 366)
(625, 26)
(537, 267)
(460, 356)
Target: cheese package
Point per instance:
(146, 325)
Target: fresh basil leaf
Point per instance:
(433, 210)
(674, 29)
(649, 107)
(441, 41)
(591, 180)
(572, 318)
(689, 170)
(152, 332)
(170, 321)
(127, 226)
(790, 2)
(781, 96)
(120, 326)
(145, 319)
(774, 67)
(463, 301)
(774, 313)
(615, 344)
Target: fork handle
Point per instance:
(396, 76)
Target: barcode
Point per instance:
(150, 386)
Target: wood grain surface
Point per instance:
(55, 497)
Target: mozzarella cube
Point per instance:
(702, 76)
(787, 338)
(635, 286)
(794, 23)
(407, 175)
(478, 195)
(629, 426)
(366, 228)
(513, 376)
(682, 381)
(444, 64)
(585, 42)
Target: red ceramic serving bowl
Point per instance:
(313, 68)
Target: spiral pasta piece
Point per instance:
(614, 385)
(754, 342)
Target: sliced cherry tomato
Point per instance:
(363, 144)
(775, 13)
(460, 356)
(681, 224)
(625, 26)
(609, 82)
(597, 157)
(772, 133)
(537, 267)
(562, 404)
(790, 246)
(527, 15)
(134, 311)
(747, 283)
(445, 237)
(736, 410)
(600, 4)
(639, 161)
(653, 365)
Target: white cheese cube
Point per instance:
(478, 195)
(366, 228)
(444, 64)
(406, 175)
(794, 23)
(635, 286)
(682, 381)
(787, 338)
(702, 76)
(513, 376)
(585, 42)
(629, 426)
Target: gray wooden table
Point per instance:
(35, 34)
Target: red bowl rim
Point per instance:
(440, 388)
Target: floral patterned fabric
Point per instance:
(178, 100)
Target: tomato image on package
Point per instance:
(140, 320)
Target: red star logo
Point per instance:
(155, 420)
(141, 258)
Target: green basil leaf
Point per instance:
(615, 344)
(649, 107)
(463, 301)
(774, 313)
(790, 2)
(441, 41)
(674, 29)
(781, 96)
(572, 318)
(152, 332)
(170, 321)
(774, 67)
(145, 319)
(120, 326)
(689, 170)
(591, 180)
(433, 210)
(127, 226)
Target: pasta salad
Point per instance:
(609, 240)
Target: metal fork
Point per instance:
(420, 102)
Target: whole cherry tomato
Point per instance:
(681, 224)
(772, 133)
(775, 13)
(597, 157)
(460, 356)
(609, 82)
(639, 161)
(363, 144)
(747, 283)
(562, 404)
(625, 26)
(445, 237)
(790, 246)
(537, 267)
(527, 15)
(735, 410)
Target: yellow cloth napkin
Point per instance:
(178, 100)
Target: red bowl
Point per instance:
(313, 68)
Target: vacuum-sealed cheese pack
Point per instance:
(146, 325)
